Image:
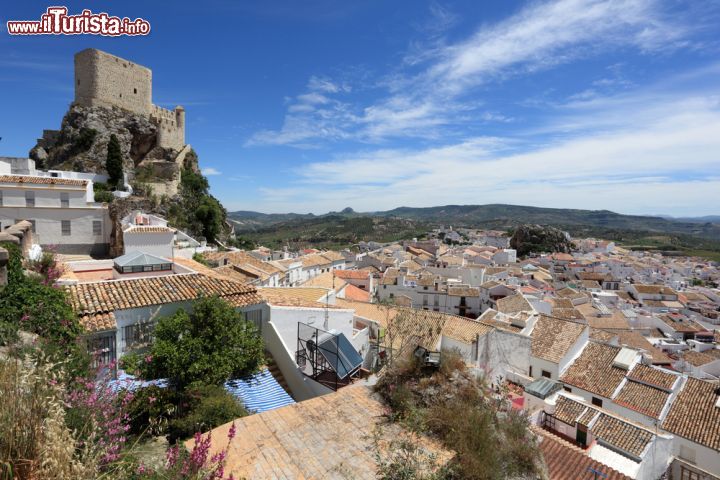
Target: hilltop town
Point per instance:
(606, 357)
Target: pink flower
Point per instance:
(231, 433)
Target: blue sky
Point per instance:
(318, 105)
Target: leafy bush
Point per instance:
(132, 363)
(104, 197)
(200, 259)
(29, 303)
(83, 141)
(210, 345)
(151, 410)
(208, 406)
(197, 211)
(490, 439)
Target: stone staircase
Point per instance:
(277, 374)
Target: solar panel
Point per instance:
(340, 354)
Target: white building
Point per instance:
(60, 206)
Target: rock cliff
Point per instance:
(539, 239)
(81, 145)
(164, 180)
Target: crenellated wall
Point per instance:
(105, 80)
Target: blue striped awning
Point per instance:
(260, 392)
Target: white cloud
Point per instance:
(210, 171)
(428, 103)
(658, 158)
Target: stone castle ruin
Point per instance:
(105, 80)
(113, 96)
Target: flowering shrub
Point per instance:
(46, 267)
(197, 464)
(98, 415)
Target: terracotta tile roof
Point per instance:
(98, 322)
(243, 259)
(371, 311)
(425, 326)
(681, 323)
(623, 435)
(333, 256)
(352, 274)
(235, 274)
(568, 314)
(42, 180)
(568, 410)
(464, 329)
(552, 338)
(654, 289)
(489, 317)
(602, 335)
(562, 303)
(354, 293)
(642, 398)
(104, 297)
(330, 436)
(593, 370)
(569, 293)
(694, 415)
(637, 340)
(514, 304)
(148, 229)
(294, 296)
(653, 376)
(463, 291)
(698, 359)
(565, 461)
(326, 280)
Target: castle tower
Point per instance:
(105, 80)
(180, 119)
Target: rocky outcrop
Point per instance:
(81, 145)
(540, 239)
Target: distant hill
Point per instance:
(507, 216)
(634, 230)
(705, 219)
(333, 230)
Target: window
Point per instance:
(65, 226)
(64, 199)
(29, 199)
(530, 372)
(597, 402)
(546, 374)
(686, 474)
(135, 90)
(97, 228)
(137, 335)
(254, 316)
(567, 389)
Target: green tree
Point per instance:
(114, 161)
(210, 214)
(208, 346)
